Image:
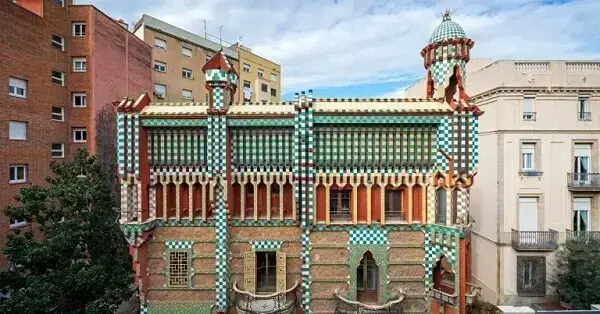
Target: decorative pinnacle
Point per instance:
(446, 15)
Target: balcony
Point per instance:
(582, 235)
(342, 215)
(534, 240)
(284, 302)
(584, 116)
(584, 182)
(529, 116)
(345, 306)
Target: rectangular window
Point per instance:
(160, 66)
(178, 269)
(58, 150)
(582, 162)
(266, 272)
(440, 208)
(58, 78)
(79, 135)
(339, 204)
(59, 2)
(273, 77)
(528, 218)
(531, 276)
(528, 109)
(17, 130)
(186, 52)
(246, 84)
(58, 113)
(246, 68)
(186, 73)
(264, 87)
(186, 94)
(18, 174)
(583, 109)
(160, 90)
(17, 87)
(79, 100)
(78, 29)
(273, 92)
(528, 156)
(58, 42)
(261, 73)
(79, 64)
(581, 213)
(393, 204)
(160, 43)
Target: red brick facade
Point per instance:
(118, 64)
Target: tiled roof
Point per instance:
(448, 29)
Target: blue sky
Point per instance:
(370, 48)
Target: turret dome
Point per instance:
(448, 29)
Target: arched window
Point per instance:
(443, 276)
(367, 276)
(440, 206)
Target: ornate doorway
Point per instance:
(367, 277)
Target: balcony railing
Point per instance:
(584, 181)
(341, 215)
(472, 293)
(284, 302)
(443, 296)
(584, 116)
(529, 116)
(345, 306)
(534, 240)
(394, 215)
(582, 235)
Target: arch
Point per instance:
(380, 256)
(361, 199)
(321, 203)
(288, 194)
(452, 88)
(367, 279)
(417, 201)
(444, 275)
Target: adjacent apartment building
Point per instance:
(331, 205)
(538, 183)
(60, 64)
(179, 56)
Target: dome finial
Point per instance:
(446, 15)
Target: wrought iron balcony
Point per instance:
(584, 116)
(284, 302)
(443, 296)
(582, 235)
(394, 306)
(587, 182)
(529, 116)
(472, 293)
(534, 240)
(342, 215)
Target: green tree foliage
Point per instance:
(577, 270)
(78, 262)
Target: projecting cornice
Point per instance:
(506, 90)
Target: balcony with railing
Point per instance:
(284, 302)
(582, 235)
(534, 240)
(585, 182)
(340, 215)
(529, 116)
(584, 116)
(393, 306)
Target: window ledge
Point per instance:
(530, 173)
(17, 96)
(17, 182)
(18, 139)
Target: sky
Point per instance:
(369, 48)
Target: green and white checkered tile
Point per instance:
(448, 29)
(368, 235)
(266, 245)
(178, 244)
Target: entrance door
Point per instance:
(367, 275)
(527, 219)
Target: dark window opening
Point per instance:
(266, 271)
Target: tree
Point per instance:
(577, 272)
(78, 263)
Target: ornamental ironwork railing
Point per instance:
(443, 296)
(283, 302)
(394, 306)
(535, 240)
(584, 116)
(582, 235)
(529, 116)
(472, 293)
(583, 180)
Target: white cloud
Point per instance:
(324, 44)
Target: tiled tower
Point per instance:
(319, 204)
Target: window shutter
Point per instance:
(281, 271)
(250, 271)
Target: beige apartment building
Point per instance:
(260, 78)
(538, 183)
(178, 58)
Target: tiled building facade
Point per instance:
(325, 204)
(60, 64)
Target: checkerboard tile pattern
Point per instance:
(177, 244)
(444, 143)
(266, 245)
(413, 119)
(446, 30)
(368, 235)
(438, 245)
